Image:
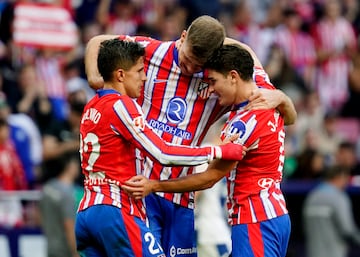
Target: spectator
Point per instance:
(351, 107)
(26, 138)
(117, 17)
(333, 55)
(58, 207)
(310, 164)
(61, 138)
(328, 218)
(12, 177)
(48, 65)
(33, 100)
(298, 46)
(346, 156)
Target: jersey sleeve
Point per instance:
(262, 79)
(136, 130)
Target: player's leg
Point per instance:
(174, 224)
(155, 214)
(116, 233)
(264, 239)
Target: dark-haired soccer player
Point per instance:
(177, 103)
(256, 205)
(113, 127)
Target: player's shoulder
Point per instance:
(262, 79)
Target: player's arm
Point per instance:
(135, 129)
(139, 186)
(91, 54)
(270, 99)
(266, 98)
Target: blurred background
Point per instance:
(309, 48)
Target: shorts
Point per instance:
(106, 231)
(172, 225)
(268, 238)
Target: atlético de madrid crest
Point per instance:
(203, 90)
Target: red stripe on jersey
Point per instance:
(134, 234)
(255, 238)
(258, 205)
(277, 199)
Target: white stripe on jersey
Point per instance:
(269, 208)
(87, 195)
(152, 74)
(115, 195)
(253, 216)
(147, 143)
(99, 196)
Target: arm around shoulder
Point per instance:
(91, 53)
(287, 109)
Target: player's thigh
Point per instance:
(264, 239)
(173, 224)
(116, 233)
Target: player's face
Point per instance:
(134, 79)
(187, 61)
(223, 86)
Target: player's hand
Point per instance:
(262, 99)
(138, 186)
(232, 152)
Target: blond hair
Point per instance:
(205, 34)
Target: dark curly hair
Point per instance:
(232, 57)
(117, 54)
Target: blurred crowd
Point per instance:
(309, 48)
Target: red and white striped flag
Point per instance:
(44, 26)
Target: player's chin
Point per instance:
(222, 102)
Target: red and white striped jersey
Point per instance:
(176, 106)
(254, 193)
(112, 128)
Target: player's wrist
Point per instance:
(216, 152)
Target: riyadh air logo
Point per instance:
(176, 110)
(265, 182)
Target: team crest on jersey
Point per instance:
(203, 90)
(241, 127)
(139, 122)
(176, 110)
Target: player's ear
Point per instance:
(120, 75)
(234, 74)
(183, 36)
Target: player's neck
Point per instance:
(244, 92)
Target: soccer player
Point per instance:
(178, 105)
(256, 206)
(112, 128)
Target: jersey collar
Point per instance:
(102, 92)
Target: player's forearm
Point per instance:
(185, 184)
(91, 53)
(200, 181)
(287, 109)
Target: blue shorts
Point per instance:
(264, 239)
(172, 225)
(106, 231)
